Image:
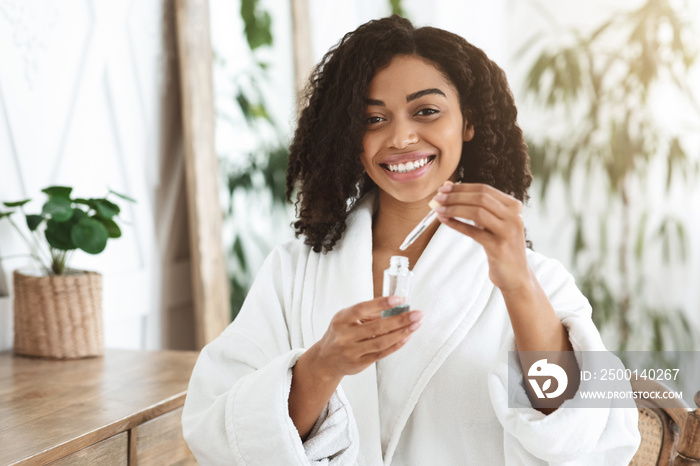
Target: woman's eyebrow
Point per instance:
(378, 103)
(409, 98)
(419, 94)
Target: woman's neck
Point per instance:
(394, 220)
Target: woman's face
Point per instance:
(415, 129)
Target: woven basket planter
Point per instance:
(58, 316)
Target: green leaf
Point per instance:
(58, 235)
(33, 221)
(6, 214)
(676, 158)
(682, 241)
(58, 191)
(657, 342)
(602, 28)
(58, 208)
(16, 203)
(113, 229)
(275, 173)
(123, 196)
(397, 8)
(242, 180)
(579, 241)
(78, 215)
(87, 202)
(663, 234)
(89, 235)
(257, 24)
(105, 208)
(603, 235)
(641, 234)
(244, 105)
(239, 253)
(259, 111)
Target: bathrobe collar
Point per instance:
(450, 285)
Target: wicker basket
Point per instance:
(58, 316)
(652, 432)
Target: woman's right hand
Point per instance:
(358, 336)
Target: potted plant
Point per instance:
(57, 309)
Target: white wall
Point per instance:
(89, 98)
(482, 23)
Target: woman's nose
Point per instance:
(402, 135)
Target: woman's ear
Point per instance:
(468, 131)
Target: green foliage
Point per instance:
(261, 169)
(67, 224)
(602, 82)
(257, 24)
(397, 8)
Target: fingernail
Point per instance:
(441, 209)
(445, 188)
(416, 315)
(394, 300)
(440, 197)
(415, 326)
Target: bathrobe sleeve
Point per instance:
(236, 410)
(569, 435)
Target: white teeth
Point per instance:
(409, 166)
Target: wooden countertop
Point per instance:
(51, 408)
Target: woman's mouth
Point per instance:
(409, 166)
(408, 171)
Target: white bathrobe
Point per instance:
(442, 399)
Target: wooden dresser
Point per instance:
(120, 409)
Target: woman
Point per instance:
(310, 373)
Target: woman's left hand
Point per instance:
(499, 228)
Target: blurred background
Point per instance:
(608, 94)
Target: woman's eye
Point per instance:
(373, 120)
(427, 112)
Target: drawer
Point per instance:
(112, 451)
(159, 441)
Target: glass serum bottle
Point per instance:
(397, 282)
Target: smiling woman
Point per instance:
(397, 120)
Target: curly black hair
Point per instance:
(324, 159)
